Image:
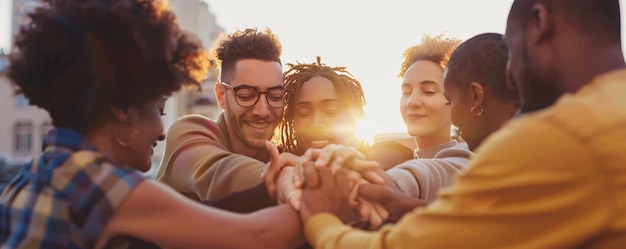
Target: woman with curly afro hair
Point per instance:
(103, 70)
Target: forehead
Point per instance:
(422, 71)
(258, 73)
(317, 89)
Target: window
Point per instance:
(23, 137)
(21, 101)
(45, 127)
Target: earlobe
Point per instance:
(541, 24)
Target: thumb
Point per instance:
(274, 154)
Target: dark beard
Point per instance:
(539, 99)
(538, 93)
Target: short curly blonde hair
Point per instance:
(436, 49)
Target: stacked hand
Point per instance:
(336, 179)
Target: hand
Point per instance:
(330, 196)
(287, 192)
(395, 202)
(371, 215)
(274, 167)
(336, 156)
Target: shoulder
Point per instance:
(191, 125)
(599, 107)
(193, 121)
(87, 173)
(460, 150)
(94, 187)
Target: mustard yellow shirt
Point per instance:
(552, 179)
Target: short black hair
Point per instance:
(78, 58)
(599, 18)
(249, 43)
(481, 59)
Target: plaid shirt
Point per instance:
(64, 198)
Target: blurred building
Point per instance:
(23, 126)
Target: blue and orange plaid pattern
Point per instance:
(64, 198)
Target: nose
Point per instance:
(414, 100)
(261, 108)
(317, 119)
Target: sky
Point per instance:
(366, 36)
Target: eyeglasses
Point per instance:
(248, 96)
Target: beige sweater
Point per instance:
(436, 168)
(200, 163)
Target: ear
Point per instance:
(219, 95)
(478, 94)
(540, 26)
(124, 115)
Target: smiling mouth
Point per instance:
(258, 125)
(319, 143)
(415, 116)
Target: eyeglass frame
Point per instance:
(258, 94)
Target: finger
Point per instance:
(361, 165)
(311, 177)
(296, 199)
(298, 181)
(373, 177)
(325, 156)
(374, 220)
(327, 179)
(337, 164)
(311, 154)
(364, 212)
(273, 150)
(298, 173)
(354, 178)
(381, 211)
(341, 178)
(349, 152)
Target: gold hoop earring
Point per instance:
(122, 142)
(480, 112)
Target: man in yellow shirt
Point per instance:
(554, 178)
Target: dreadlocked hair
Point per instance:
(347, 87)
(435, 49)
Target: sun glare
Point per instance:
(365, 131)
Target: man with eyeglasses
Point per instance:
(208, 160)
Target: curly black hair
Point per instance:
(244, 44)
(78, 58)
(435, 49)
(348, 88)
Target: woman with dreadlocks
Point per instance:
(324, 105)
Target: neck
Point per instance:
(502, 113)
(580, 68)
(103, 144)
(435, 139)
